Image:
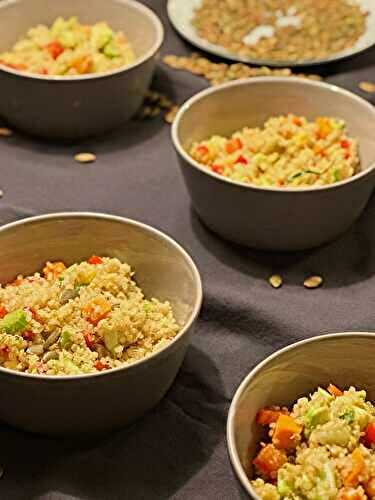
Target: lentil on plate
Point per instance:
(323, 448)
(289, 151)
(69, 48)
(281, 30)
(84, 318)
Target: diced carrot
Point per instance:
(370, 487)
(267, 416)
(97, 309)
(233, 145)
(83, 65)
(286, 432)
(14, 66)
(89, 339)
(324, 127)
(350, 494)
(95, 260)
(52, 270)
(269, 460)
(334, 391)
(202, 150)
(358, 465)
(297, 121)
(3, 311)
(347, 156)
(345, 144)
(43, 71)
(55, 49)
(280, 182)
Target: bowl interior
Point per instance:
(137, 23)
(161, 268)
(345, 360)
(250, 103)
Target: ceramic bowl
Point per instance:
(74, 107)
(273, 218)
(287, 375)
(109, 399)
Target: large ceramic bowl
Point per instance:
(344, 359)
(111, 399)
(77, 106)
(274, 218)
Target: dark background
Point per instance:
(178, 451)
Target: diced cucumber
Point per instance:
(65, 339)
(14, 322)
(110, 339)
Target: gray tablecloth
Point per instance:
(178, 450)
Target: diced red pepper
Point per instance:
(89, 339)
(345, 144)
(334, 391)
(347, 156)
(233, 145)
(28, 335)
(3, 311)
(370, 434)
(101, 366)
(4, 352)
(55, 49)
(43, 71)
(95, 260)
(242, 159)
(202, 150)
(217, 169)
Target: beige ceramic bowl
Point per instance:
(274, 218)
(114, 398)
(344, 359)
(74, 107)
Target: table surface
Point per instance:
(178, 450)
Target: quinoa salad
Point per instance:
(281, 30)
(85, 318)
(323, 449)
(288, 151)
(69, 48)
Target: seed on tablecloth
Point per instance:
(367, 87)
(85, 157)
(1, 471)
(275, 281)
(171, 115)
(313, 282)
(5, 132)
(1, 193)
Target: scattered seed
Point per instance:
(1, 193)
(313, 282)
(36, 349)
(85, 157)
(275, 281)
(217, 73)
(5, 132)
(367, 87)
(52, 338)
(1, 471)
(171, 115)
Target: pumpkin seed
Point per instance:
(313, 282)
(85, 157)
(51, 339)
(68, 294)
(50, 355)
(275, 281)
(367, 87)
(5, 132)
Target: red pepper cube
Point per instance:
(242, 159)
(94, 260)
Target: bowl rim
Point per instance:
(146, 228)
(143, 9)
(231, 445)
(273, 81)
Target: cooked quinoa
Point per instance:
(69, 48)
(281, 30)
(323, 449)
(84, 318)
(288, 151)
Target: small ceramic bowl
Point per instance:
(63, 107)
(345, 359)
(109, 399)
(272, 218)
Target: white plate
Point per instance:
(181, 12)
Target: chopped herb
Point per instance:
(348, 416)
